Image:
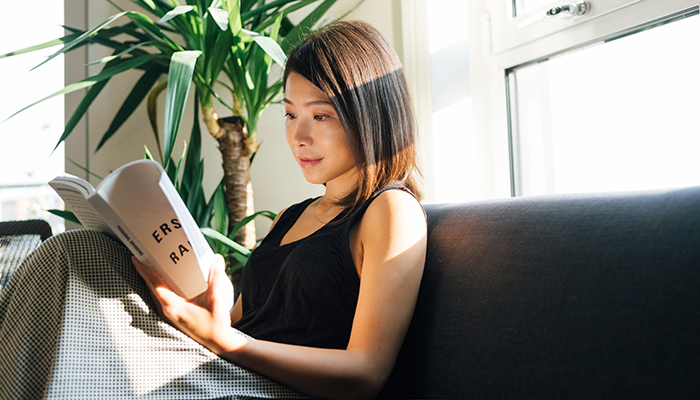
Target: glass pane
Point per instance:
(27, 156)
(525, 6)
(616, 116)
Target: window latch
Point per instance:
(570, 9)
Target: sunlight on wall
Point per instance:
(457, 161)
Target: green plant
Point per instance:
(234, 43)
(187, 173)
(227, 48)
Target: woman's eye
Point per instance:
(289, 115)
(320, 117)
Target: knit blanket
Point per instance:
(77, 321)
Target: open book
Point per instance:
(139, 205)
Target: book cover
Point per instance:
(139, 205)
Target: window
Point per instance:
(601, 101)
(619, 115)
(27, 140)
(521, 7)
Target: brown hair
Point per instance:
(359, 71)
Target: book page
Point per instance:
(145, 215)
(74, 192)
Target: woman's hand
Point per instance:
(205, 318)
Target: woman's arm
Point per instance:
(237, 310)
(391, 241)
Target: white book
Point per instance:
(139, 205)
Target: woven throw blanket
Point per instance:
(76, 322)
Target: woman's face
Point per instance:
(316, 136)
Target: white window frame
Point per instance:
(513, 46)
(507, 49)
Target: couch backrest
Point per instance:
(584, 296)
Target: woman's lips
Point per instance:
(309, 162)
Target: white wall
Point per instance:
(460, 99)
(277, 181)
(128, 143)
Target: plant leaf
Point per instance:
(246, 220)
(104, 37)
(237, 248)
(269, 46)
(85, 103)
(122, 53)
(233, 8)
(84, 169)
(81, 109)
(41, 46)
(273, 4)
(272, 16)
(219, 208)
(132, 101)
(151, 107)
(194, 152)
(179, 79)
(175, 12)
(80, 39)
(147, 153)
(179, 164)
(67, 215)
(106, 73)
(153, 30)
(295, 35)
(220, 17)
(239, 252)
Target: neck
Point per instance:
(324, 210)
(326, 204)
(327, 207)
(340, 187)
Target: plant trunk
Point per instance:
(236, 150)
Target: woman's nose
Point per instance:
(302, 135)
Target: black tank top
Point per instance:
(304, 292)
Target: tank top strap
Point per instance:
(361, 211)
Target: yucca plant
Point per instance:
(229, 48)
(187, 173)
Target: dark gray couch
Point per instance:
(574, 296)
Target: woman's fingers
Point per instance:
(219, 295)
(198, 317)
(171, 304)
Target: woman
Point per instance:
(330, 292)
(349, 125)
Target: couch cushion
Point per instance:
(576, 296)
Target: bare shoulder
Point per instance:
(394, 219)
(396, 206)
